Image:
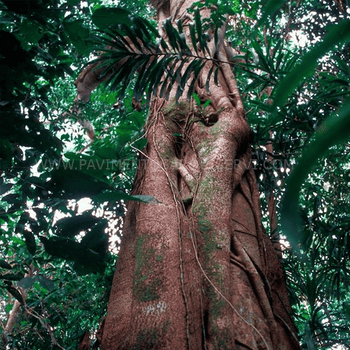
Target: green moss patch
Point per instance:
(146, 285)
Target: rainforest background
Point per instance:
(61, 226)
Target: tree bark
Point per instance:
(196, 270)
(11, 321)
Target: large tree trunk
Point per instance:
(195, 269)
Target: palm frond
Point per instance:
(138, 56)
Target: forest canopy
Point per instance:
(67, 168)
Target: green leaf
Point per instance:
(167, 79)
(132, 36)
(177, 76)
(342, 64)
(179, 25)
(197, 18)
(216, 75)
(193, 37)
(157, 73)
(115, 34)
(96, 239)
(106, 16)
(45, 283)
(336, 34)
(333, 131)
(30, 241)
(269, 9)
(124, 74)
(197, 99)
(5, 265)
(78, 35)
(262, 59)
(206, 104)
(12, 276)
(207, 84)
(153, 69)
(106, 152)
(15, 293)
(185, 77)
(8, 308)
(31, 31)
(142, 78)
(5, 188)
(142, 26)
(145, 199)
(171, 33)
(65, 248)
(117, 196)
(96, 166)
(76, 30)
(140, 144)
(216, 38)
(72, 226)
(26, 282)
(197, 68)
(67, 183)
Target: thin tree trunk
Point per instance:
(11, 321)
(195, 269)
(14, 311)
